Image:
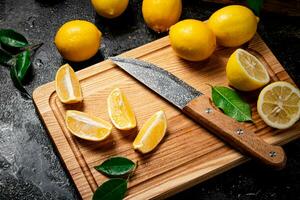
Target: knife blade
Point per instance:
(198, 106)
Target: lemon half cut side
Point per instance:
(245, 72)
(279, 105)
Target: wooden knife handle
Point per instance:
(233, 132)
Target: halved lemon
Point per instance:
(151, 133)
(86, 126)
(245, 72)
(120, 111)
(67, 85)
(279, 105)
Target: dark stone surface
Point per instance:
(29, 165)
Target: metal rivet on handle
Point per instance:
(208, 110)
(240, 131)
(272, 154)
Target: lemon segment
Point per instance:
(151, 133)
(279, 105)
(86, 126)
(233, 25)
(245, 72)
(120, 111)
(192, 40)
(110, 8)
(78, 40)
(67, 85)
(160, 15)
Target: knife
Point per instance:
(198, 106)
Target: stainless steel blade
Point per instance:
(159, 80)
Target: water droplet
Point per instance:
(31, 21)
(39, 63)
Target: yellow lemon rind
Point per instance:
(192, 40)
(239, 78)
(77, 99)
(160, 15)
(110, 9)
(86, 137)
(233, 25)
(138, 145)
(110, 113)
(78, 40)
(260, 101)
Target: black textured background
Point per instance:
(29, 165)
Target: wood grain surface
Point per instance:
(188, 154)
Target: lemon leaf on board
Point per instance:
(231, 103)
(113, 189)
(116, 166)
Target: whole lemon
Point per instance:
(159, 15)
(110, 8)
(192, 40)
(78, 40)
(233, 25)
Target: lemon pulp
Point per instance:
(120, 111)
(245, 72)
(151, 133)
(86, 126)
(67, 85)
(279, 104)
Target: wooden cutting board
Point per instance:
(187, 155)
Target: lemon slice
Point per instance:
(245, 72)
(86, 126)
(151, 133)
(279, 105)
(120, 111)
(67, 85)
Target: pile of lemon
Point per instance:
(79, 40)
(194, 40)
(279, 103)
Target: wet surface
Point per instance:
(29, 164)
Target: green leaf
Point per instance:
(116, 166)
(23, 63)
(231, 103)
(17, 82)
(4, 57)
(255, 6)
(113, 189)
(10, 38)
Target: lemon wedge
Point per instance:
(120, 111)
(245, 72)
(86, 126)
(279, 105)
(151, 133)
(67, 85)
